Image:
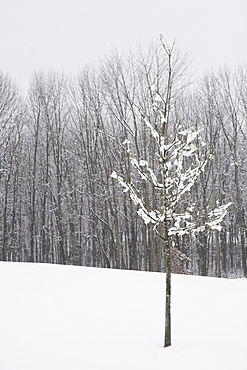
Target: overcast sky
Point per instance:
(66, 34)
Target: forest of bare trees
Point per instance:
(61, 143)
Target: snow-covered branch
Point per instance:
(179, 167)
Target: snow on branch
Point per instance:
(153, 132)
(152, 216)
(179, 167)
(149, 176)
(216, 216)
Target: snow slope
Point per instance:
(69, 318)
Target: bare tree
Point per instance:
(176, 168)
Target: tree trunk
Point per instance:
(168, 289)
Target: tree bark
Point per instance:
(167, 342)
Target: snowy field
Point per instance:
(74, 318)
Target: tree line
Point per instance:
(61, 143)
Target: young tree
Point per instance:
(175, 167)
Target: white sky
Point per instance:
(66, 34)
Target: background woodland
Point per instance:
(60, 144)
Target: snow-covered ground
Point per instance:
(74, 318)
